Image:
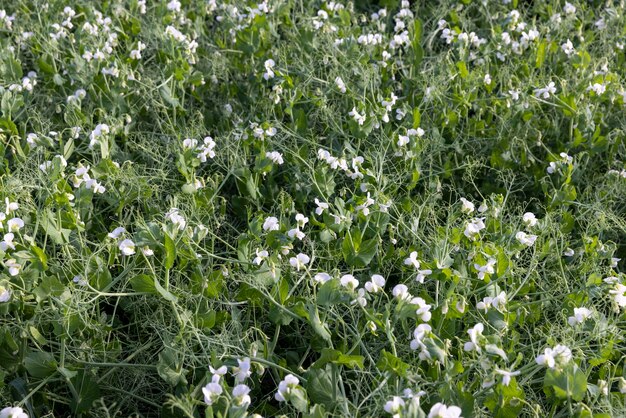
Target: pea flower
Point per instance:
(423, 309)
(13, 412)
(211, 392)
(7, 242)
(486, 269)
(285, 387)
(240, 395)
(321, 206)
(322, 277)
(560, 355)
(412, 260)
(619, 294)
(467, 206)
(546, 91)
(260, 256)
(299, 261)
(473, 227)
(580, 314)
(127, 247)
(271, 224)
(394, 406)
(5, 294)
(526, 239)
(440, 410)
(340, 84)
(568, 48)
(496, 302)
(275, 156)
(529, 219)
(13, 266)
(243, 370)
(15, 224)
(176, 218)
(474, 333)
(10, 206)
(349, 282)
(117, 232)
(507, 376)
(360, 119)
(376, 284)
(269, 65)
(401, 292)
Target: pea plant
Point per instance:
(246, 208)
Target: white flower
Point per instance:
(5, 294)
(422, 274)
(497, 302)
(487, 79)
(401, 292)
(569, 8)
(376, 284)
(529, 219)
(526, 239)
(597, 88)
(271, 224)
(299, 261)
(322, 277)
(173, 6)
(10, 206)
(423, 309)
(412, 260)
(486, 269)
(15, 224)
(419, 334)
(546, 91)
(127, 247)
(240, 395)
(269, 65)
(440, 410)
(260, 256)
(13, 266)
(7, 242)
(117, 232)
(568, 48)
(176, 218)
(348, 281)
(243, 370)
(340, 84)
(473, 227)
(211, 392)
(618, 293)
(568, 252)
(285, 387)
(220, 371)
(13, 412)
(580, 314)
(557, 356)
(301, 220)
(468, 207)
(506, 376)
(275, 156)
(295, 232)
(474, 333)
(360, 119)
(394, 406)
(321, 206)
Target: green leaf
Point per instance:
(329, 355)
(390, 363)
(462, 69)
(320, 328)
(166, 94)
(322, 386)
(569, 383)
(87, 390)
(356, 253)
(169, 367)
(170, 251)
(144, 284)
(167, 295)
(40, 364)
(331, 293)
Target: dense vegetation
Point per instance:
(306, 208)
